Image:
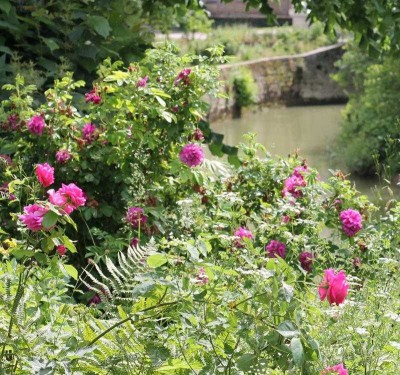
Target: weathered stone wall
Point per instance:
(290, 80)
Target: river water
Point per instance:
(310, 130)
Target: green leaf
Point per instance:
(288, 329)
(69, 244)
(47, 244)
(246, 362)
(71, 271)
(297, 351)
(51, 43)
(100, 25)
(156, 260)
(161, 101)
(5, 6)
(50, 219)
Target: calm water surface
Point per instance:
(310, 130)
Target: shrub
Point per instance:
(124, 140)
(370, 130)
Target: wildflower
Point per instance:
(335, 370)
(136, 217)
(192, 155)
(351, 222)
(88, 132)
(306, 260)
(93, 97)
(334, 287)
(276, 248)
(62, 156)
(202, 278)
(183, 77)
(61, 249)
(142, 82)
(45, 174)
(68, 197)
(36, 125)
(33, 216)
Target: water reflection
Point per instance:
(310, 130)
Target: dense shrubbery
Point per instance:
(122, 145)
(370, 135)
(195, 266)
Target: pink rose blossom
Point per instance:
(334, 287)
(142, 82)
(62, 156)
(136, 217)
(293, 185)
(68, 197)
(93, 97)
(198, 135)
(202, 278)
(45, 174)
(183, 77)
(33, 216)
(351, 222)
(36, 125)
(300, 171)
(335, 370)
(192, 155)
(276, 248)
(306, 260)
(88, 132)
(61, 250)
(242, 233)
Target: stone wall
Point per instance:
(302, 79)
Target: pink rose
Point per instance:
(351, 222)
(183, 77)
(276, 248)
(62, 156)
(93, 97)
(33, 216)
(334, 287)
(202, 278)
(36, 125)
(337, 369)
(306, 260)
(68, 197)
(142, 82)
(192, 155)
(136, 217)
(45, 174)
(88, 132)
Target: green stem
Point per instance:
(97, 338)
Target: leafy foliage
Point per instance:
(370, 132)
